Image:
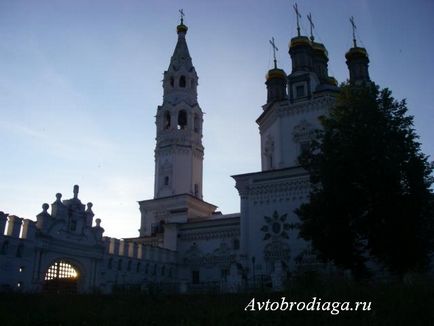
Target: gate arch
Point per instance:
(62, 276)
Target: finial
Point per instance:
(89, 205)
(309, 18)
(45, 207)
(58, 196)
(274, 51)
(76, 191)
(181, 12)
(98, 222)
(353, 24)
(298, 16)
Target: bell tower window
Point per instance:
(182, 119)
(196, 123)
(167, 120)
(182, 82)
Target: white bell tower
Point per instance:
(179, 150)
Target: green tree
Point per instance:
(370, 185)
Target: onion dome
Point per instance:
(299, 41)
(356, 53)
(275, 73)
(358, 65)
(181, 28)
(320, 49)
(332, 81)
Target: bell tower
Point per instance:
(179, 150)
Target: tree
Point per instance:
(370, 195)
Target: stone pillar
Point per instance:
(29, 229)
(14, 226)
(122, 248)
(140, 251)
(132, 249)
(3, 219)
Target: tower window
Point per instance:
(166, 120)
(172, 81)
(166, 180)
(182, 81)
(182, 119)
(299, 91)
(196, 123)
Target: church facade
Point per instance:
(184, 244)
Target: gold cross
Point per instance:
(298, 16)
(274, 51)
(353, 24)
(309, 18)
(181, 11)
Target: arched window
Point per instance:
(172, 81)
(196, 123)
(166, 120)
(182, 119)
(182, 81)
(61, 269)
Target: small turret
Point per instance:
(358, 64)
(357, 61)
(276, 80)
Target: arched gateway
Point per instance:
(61, 277)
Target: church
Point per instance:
(184, 244)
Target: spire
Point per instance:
(357, 60)
(181, 55)
(180, 79)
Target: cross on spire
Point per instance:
(298, 16)
(353, 24)
(181, 12)
(273, 45)
(309, 18)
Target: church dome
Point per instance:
(319, 48)
(181, 28)
(356, 52)
(299, 41)
(275, 73)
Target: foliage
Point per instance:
(371, 185)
